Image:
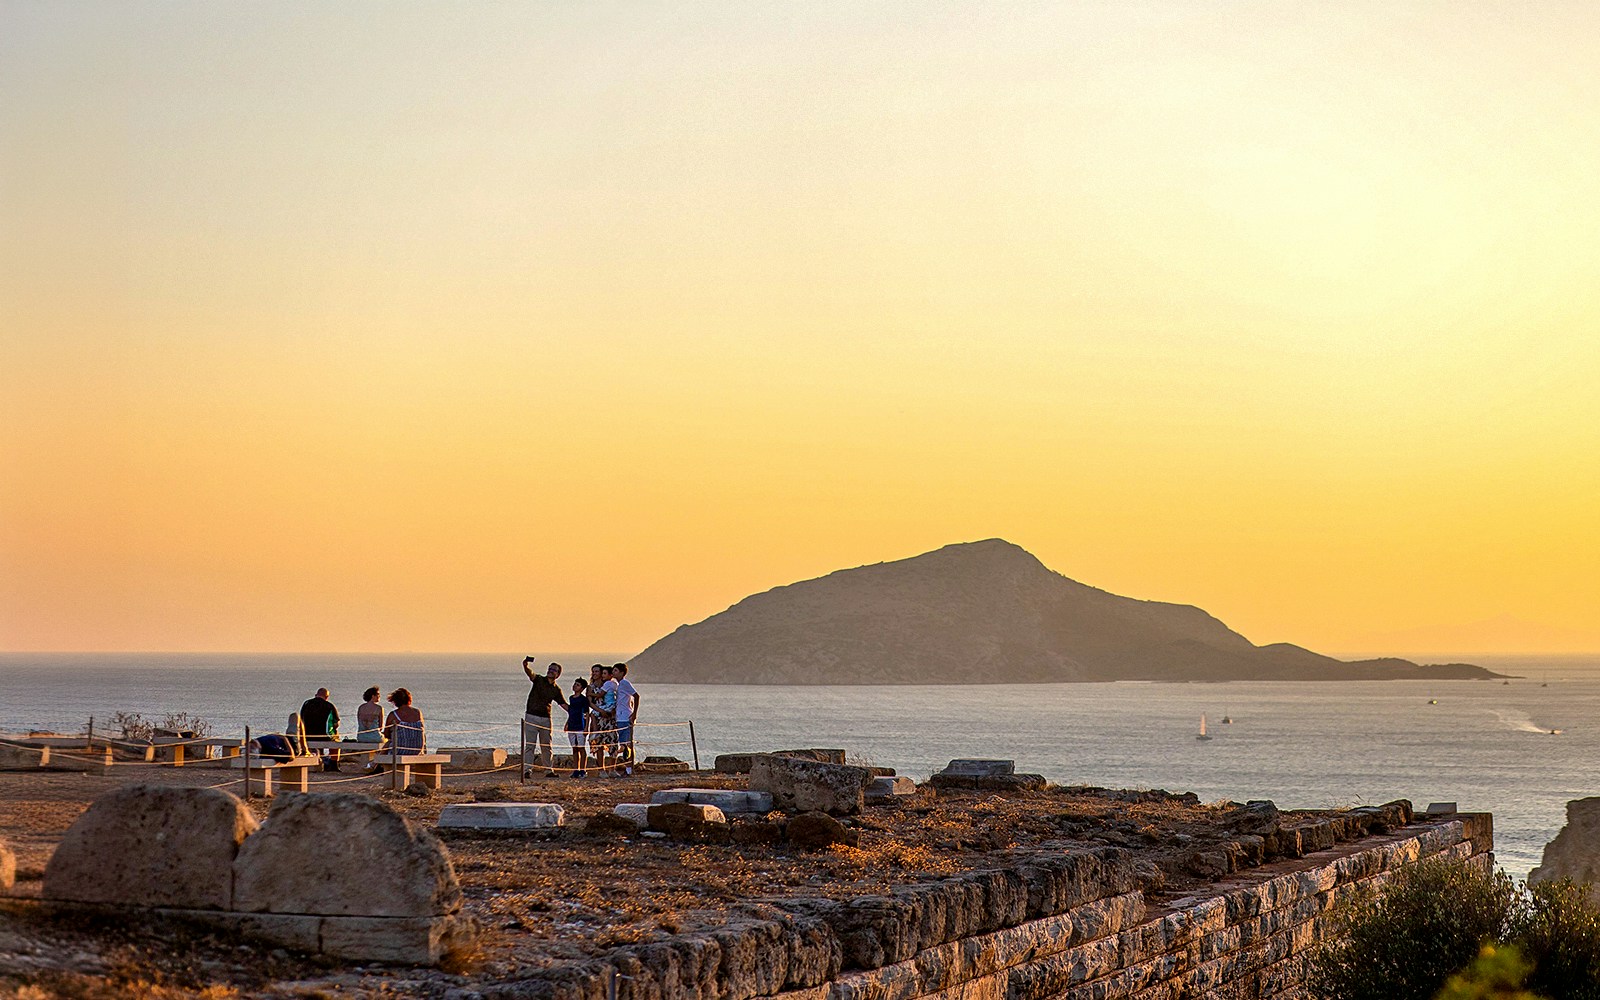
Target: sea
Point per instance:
(1520, 748)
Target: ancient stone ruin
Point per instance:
(337, 874)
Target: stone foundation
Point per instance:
(1067, 926)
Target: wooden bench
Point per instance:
(179, 750)
(429, 767)
(294, 773)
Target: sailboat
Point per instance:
(1202, 735)
(1227, 720)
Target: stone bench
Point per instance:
(294, 773)
(429, 767)
(179, 751)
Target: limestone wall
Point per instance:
(1074, 926)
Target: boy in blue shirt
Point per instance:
(577, 723)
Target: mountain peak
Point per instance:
(970, 612)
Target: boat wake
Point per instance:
(1521, 722)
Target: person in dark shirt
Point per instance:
(274, 746)
(319, 720)
(577, 723)
(536, 720)
(319, 717)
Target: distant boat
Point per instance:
(1202, 735)
(1555, 732)
(1433, 701)
(1227, 720)
(1505, 683)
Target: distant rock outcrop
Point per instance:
(1575, 853)
(981, 612)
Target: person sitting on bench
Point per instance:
(404, 727)
(369, 717)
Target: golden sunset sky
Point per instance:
(554, 326)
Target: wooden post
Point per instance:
(246, 752)
(692, 747)
(89, 743)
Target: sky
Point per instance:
(427, 326)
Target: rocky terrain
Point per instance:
(982, 612)
(583, 891)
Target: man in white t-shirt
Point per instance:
(627, 711)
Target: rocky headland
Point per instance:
(983, 612)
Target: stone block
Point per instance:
(152, 845)
(12, 756)
(503, 816)
(405, 940)
(291, 930)
(883, 788)
(475, 758)
(813, 830)
(8, 868)
(686, 821)
(656, 813)
(740, 763)
(810, 786)
(343, 854)
(638, 812)
(663, 765)
(729, 800)
(978, 768)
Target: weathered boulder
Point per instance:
(8, 867)
(810, 786)
(813, 830)
(343, 854)
(152, 845)
(1575, 851)
(636, 812)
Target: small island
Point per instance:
(984, 612)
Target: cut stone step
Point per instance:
(729, 800)
(503, 816)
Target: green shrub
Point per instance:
(1498, 973)
(1558, 930)
(1404, 941)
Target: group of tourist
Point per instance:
(403, 732)
(601, 714)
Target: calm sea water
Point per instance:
(1484, 744)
